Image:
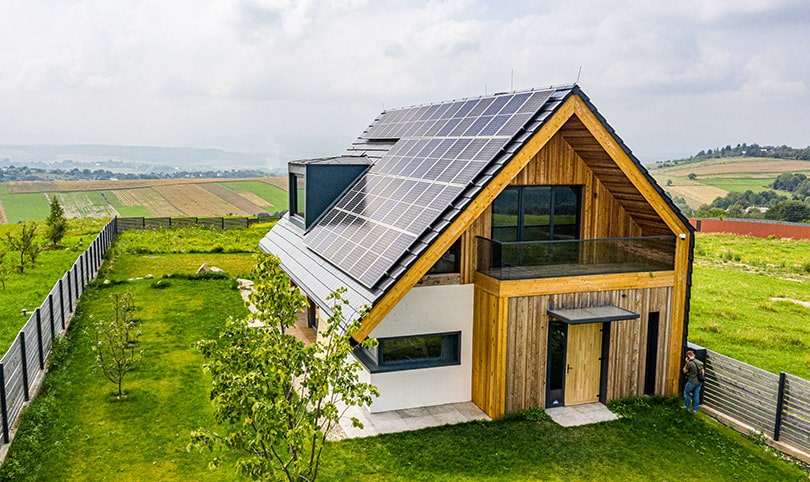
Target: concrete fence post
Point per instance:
(24, 360)
(780, 404)
(3, 403)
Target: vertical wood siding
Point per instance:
(527, 342)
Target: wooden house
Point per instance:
(510, 250)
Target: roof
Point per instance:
(357, 159)
(429, 162)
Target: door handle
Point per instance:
(568, 369)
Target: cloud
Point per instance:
(304, 78)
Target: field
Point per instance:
(76, 431)
(717, 177)
(23, 200)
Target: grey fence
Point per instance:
(776, 405)
(22, 368)
(124, 224)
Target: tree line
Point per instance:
(766, 204)
(25, 173)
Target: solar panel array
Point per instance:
(440, 150)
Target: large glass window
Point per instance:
(409, 352)
(536, 213)
(297, 195)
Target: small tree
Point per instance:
(57, 224)
(278, 397)
(116, 341)
(3, 268)
(26, 245)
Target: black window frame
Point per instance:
(522, 194)
(452, 258)
(298, 195)
(450, 354)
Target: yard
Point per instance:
(75, 430)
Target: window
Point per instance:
(449, 262)
(536, 213)
(297, 195)
(409, 352)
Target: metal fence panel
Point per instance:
(742, 391)
(796, 412)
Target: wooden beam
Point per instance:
(574, 284)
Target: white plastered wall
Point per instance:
(425, 310)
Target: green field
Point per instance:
(23, 207)
(751, 301)
(75, 430)
(142, 198)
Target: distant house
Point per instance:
(511, 249)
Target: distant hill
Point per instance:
(134, 158)
(23, 200)
(700, 180)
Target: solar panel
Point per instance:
(441, 149)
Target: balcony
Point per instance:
(580, 257)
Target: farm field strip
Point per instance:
(232, 198)
(16, 187)
(88, 204)
(738, 167)
(23, 207)
(266, 189)
(151, 200)
(193, 200)
(698, 195)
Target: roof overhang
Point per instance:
(594, 314)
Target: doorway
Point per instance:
(575, 363)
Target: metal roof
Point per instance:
(429, 162)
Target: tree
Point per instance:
(791, 211)
(26, 245)
(277, 397)
(57, 224)
(3, 268)
(691, 176)
(116, 341)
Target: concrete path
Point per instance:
(581, 414)
(409, 419)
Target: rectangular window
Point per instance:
(449, 262)
(297, 195)
(536, 213)
(410, 352)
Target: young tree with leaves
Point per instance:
(26, 245)
(277, 396)
(116, 341)
(56, 222)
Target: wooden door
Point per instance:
(583, 363)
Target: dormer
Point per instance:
(316, 184)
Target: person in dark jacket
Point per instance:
(691, 392)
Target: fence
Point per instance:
(776, 405)
(125, 224)
(758, 228)
(22, 368)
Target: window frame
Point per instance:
(521, 193)
(375, 363)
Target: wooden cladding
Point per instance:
(489, 353)
(527, 342)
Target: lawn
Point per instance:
(76, 431)
(749, 300)
(28, 291)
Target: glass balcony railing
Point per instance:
(580, 257)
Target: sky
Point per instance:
(303, 79)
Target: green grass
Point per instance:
(87, 434)
(24, 207)
(272, 194)
(29, 290)
(655, 440)
(736, 308)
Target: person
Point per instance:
(691, 392)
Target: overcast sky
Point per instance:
(299, 79)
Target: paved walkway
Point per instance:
(581, 414)
(409, 419)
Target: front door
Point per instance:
(584, 365)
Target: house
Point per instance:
(510, 251)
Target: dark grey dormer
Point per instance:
(316, 184)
